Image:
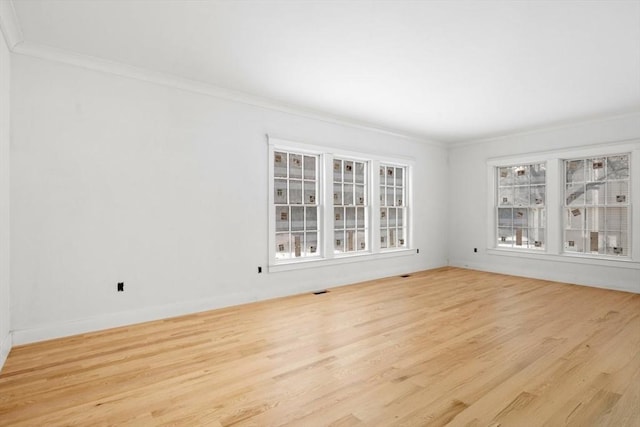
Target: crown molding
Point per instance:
(9, 24)
(120, 69)
(551, 128)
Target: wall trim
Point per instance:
(540, 273)
(5, 347)
(49, 53)
(545, 129)
(60, 329)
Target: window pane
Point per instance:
(282, 218)
(392, 217)
(505, 237)
(537, 173)
(383, 217)
(337, 170)
(295, 166)
(311, 218)
(350, 217)
(595, 169)
(360, 218)
(348, 171)
(390, 196)
(574, 171)
(505, 217)
(520, 217)
(401, 238)
(360, 171)
(350, 241)
(337, 194)
(616, 219)
(617, 192)
(280, 191)
(280, 164)
(574, 241)
(282, 246)
(575, 194)
(505, 177)
(361, 243)
(297, 239)
(392, 238)
(338, 218)
(297, 218)
(400, 217)
(295, 192)
(537, 195)
(399, 197)
(339, 241)
(311, 244)
(574, 218)
(383, 238)
(348, 194)
(359, 194)
(309, 167)
(522, 196)
(594, 193)
(399, 174)
(521, 175)
(505, 196)
(618, 167)
(310, 192)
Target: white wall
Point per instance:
(469, 193)
(115, 179)
(5, 64)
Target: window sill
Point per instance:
(344, 259)
(622, 262)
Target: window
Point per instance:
(596, 205)
(392, 207)
(330, 206)
(296, 204)
(520, 207)
(350, 205)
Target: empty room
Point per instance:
(320, 213)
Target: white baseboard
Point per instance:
(546, 274)
(5, 348)
(124, 318)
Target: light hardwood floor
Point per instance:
(442, 347)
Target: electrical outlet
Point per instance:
(259, 269)
(475, 249)
(120, 287)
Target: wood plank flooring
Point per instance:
(442, 347)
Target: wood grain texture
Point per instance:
(442, 347)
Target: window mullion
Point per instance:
(374, 199)
(327, 206)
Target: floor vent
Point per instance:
(406, 275)
(324, 291)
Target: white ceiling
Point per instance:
(444, 70)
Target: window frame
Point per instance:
(325, 217)
(554, 203)
(513, 206)
(605, 205)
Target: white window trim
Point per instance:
(325, 217)
(555, 203)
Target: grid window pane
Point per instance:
(393, 181)
(350, 204)
(524, 188)
(597, 206)
(295, 185)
